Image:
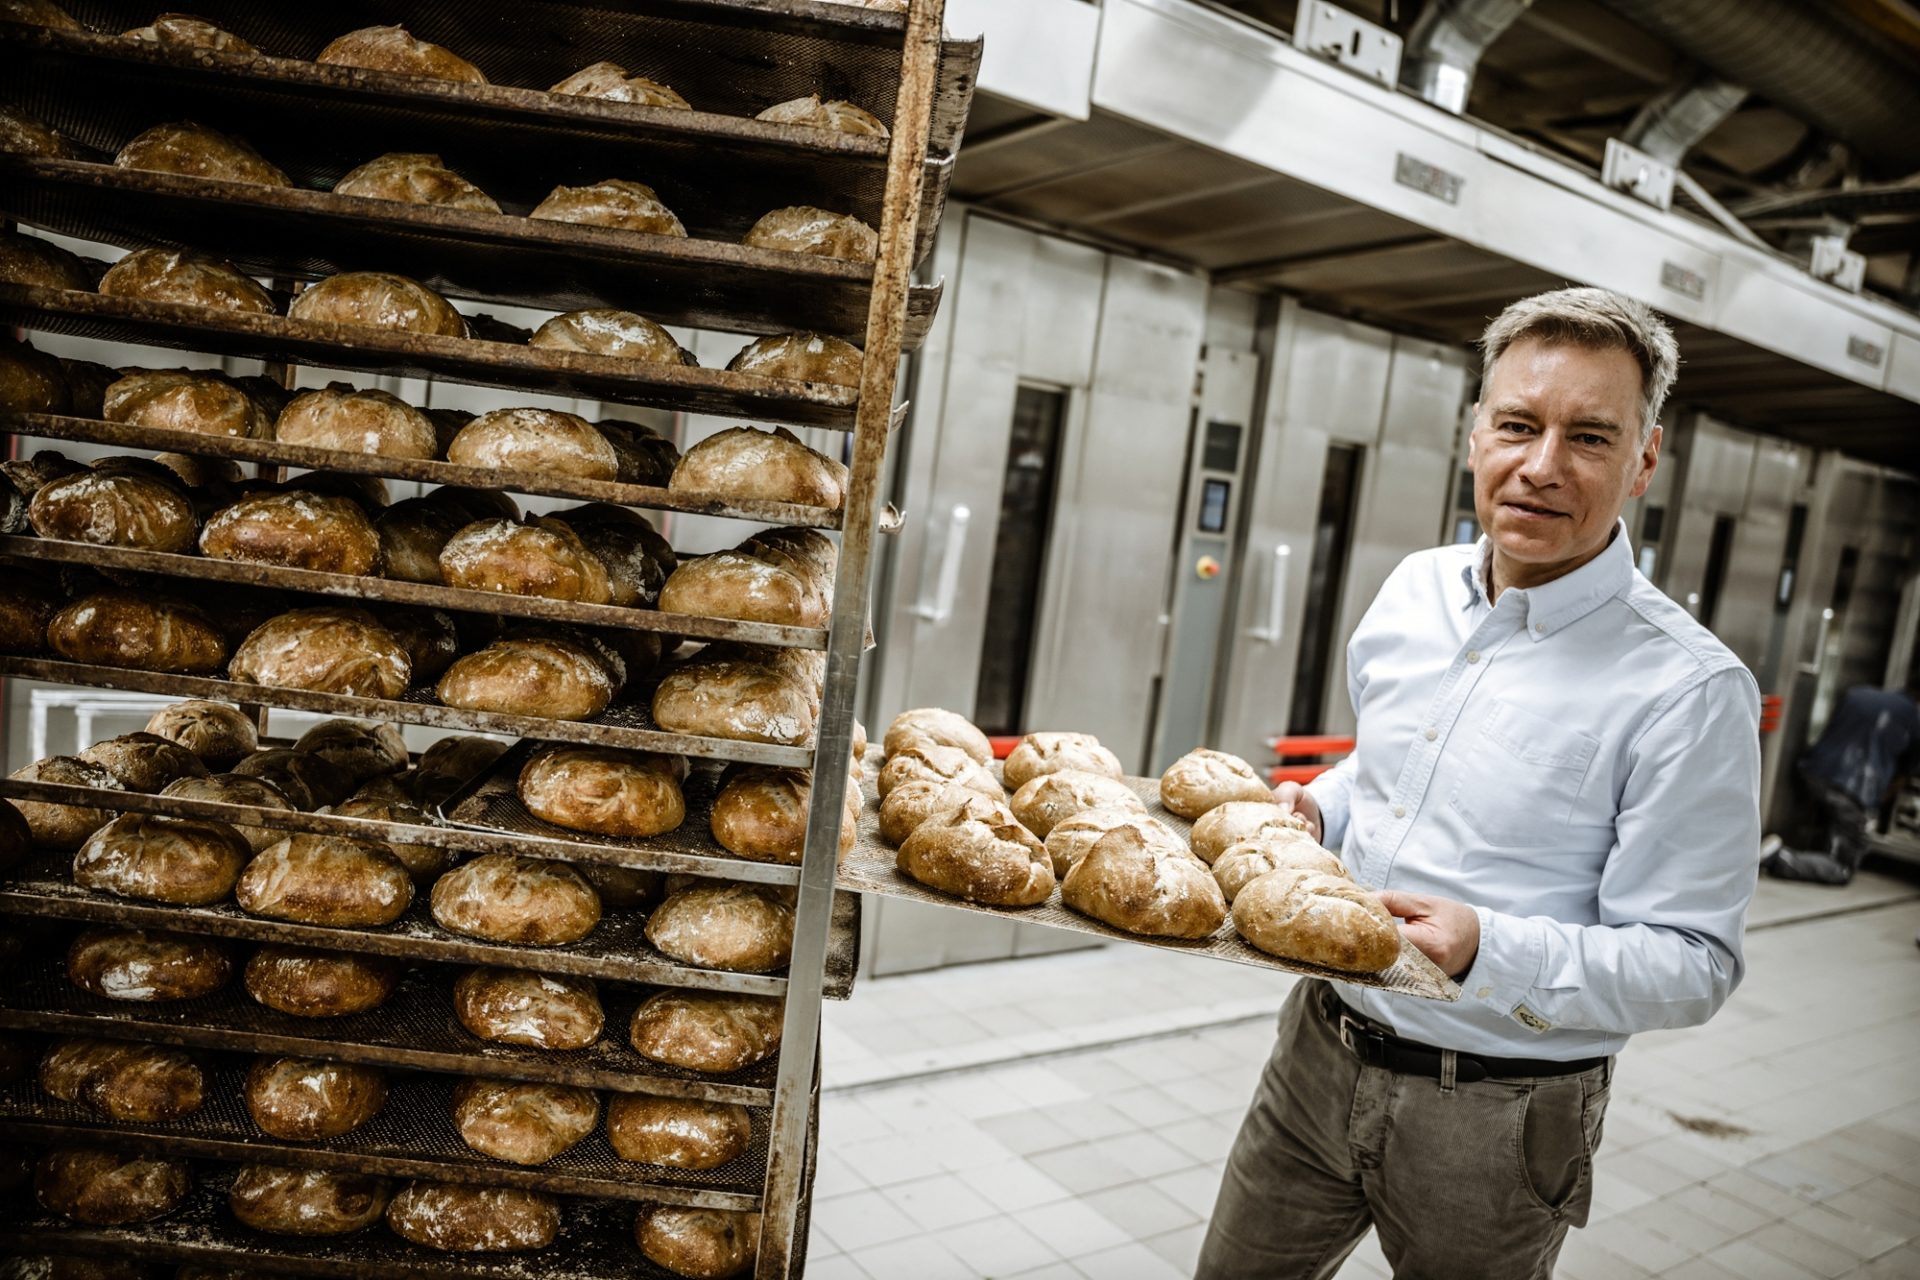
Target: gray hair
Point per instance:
(1596, 318)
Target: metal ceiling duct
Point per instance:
(1801, 61)
(1678, 120)
(1446, 43)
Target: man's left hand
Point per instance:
(1447, 932)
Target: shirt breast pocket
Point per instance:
(1523, 778)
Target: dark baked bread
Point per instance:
(144, 761)
(328, 650)
(27, 609)
(462, 1219)
(424, 862)
(522, 1122)
(611, 81)
(412, 533)
(646, 457)
(142, 965)
(319, 984)
(743, 928)
(294, 529)
(188, 400)
(31, 381)
(542, 557)
(23, 135)
(16, 839)
(189, 862)
(805, 229)
(980, 853)
(836, 115)
(761, 813)
(392, 49)
(606, 331)
(551, 675)
(708, 1031)
(109, 1188)
(301, 1100)
(616, 202)
(679, 1133)
(800, 357)
(541, 440)
(63, 826)
(414, 178)
(339, 417)
(180, 31)
(636, 559)
(115, 509)
(429, 637)
(519, 1006)
(195, 151)
(30, 260)
(191, 279)
(701, 1244)
(379, 300)
(124, 1081)
(449, 763)
(748, 464)
(739, 699)
(746, 587)
(506, 898)
(233, 788)
(359, 749)
(604, 790)
(306, 1202)
(117, 628)
(309, 781)
(326, 880)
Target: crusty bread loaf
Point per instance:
(359, 749)
(87, 384)
(234, 788)
(518, 1006)
(1051, 798)
(761, 814)
(319, 984)
(1241, 864)
(306, 1202)
(748, 464)
(195, 151)
(326, 880)
(21, 134)
(414, 178)
(979, 852)
(302, 1100)
(542, 557)
(41, 264)
(800, 357)
(836, 115)
(125, 1081)
(64, 826)
(294, 529)
(615, 202)
(1316, 919)
(189, 862)
(937, 726)
(679, 1133)
(1238, 820)
(1042, 753)
(708, 1031)
(701, 1244)
(144, 761)
(1072, 838)
(637, 560)
(911, 803)
(115, 509)
(188, 400)
(307, 781)
(604, 790)
(818, 232)
(743, 928)
(189, 279)
(378, 300)
(446, 766)
(455, 1218)
(611, 81)
(339, 417)
(522, 1122)
(109, 1188)
(930, 762)
(424, 862)
(331, 649)
(740, 699)
(531, 675)
(1141, 879)
(142, 965)
(1205, 779)
(607, 331)
(412, 533)
(118, 628)
(622, 888)
(540, 440)
(503, 897)
(392, 49)
(745, 587)
(181, 31)
(429, 637)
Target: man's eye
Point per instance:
(1590, 439)
(1517, 428)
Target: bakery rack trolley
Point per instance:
(724, 168)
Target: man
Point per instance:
(1556, 789)
(1870, 745)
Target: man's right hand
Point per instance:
(1294, 798)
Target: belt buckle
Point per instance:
(1361, 1040)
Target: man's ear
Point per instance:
(1649, 461)
(1473, 431)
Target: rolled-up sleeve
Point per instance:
(1673, 895)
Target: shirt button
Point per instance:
(1484, 992)
(1399, 811)
(1430, 733)
(1473, 655)
(1540, 628)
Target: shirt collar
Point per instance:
(1566, 599)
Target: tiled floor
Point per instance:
(1067, 1117)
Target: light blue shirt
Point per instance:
(1581, 763)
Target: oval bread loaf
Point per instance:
(679, 1133)
(109, 1188)
(306, 1202)
(518, 1006)
(456, 1218)
(708, 1031)
(524, 1122)
(146, 966)
(738, 927)
(936, 726)
(1043, 753)
(326, 880)
(325, 650)
(127, 1082)
(1246, 862)
(308, 983)
(604, 790)
(1046, 801)
(503, 897)
(1317, 919)
(701, 1244)
(219, 734)
(189, 862)
(1205, 779)
(979, 852)
(393, 49)
(1238, 820)
(1144, 881)
(303, 1100)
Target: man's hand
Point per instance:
(1294, 798)
(1447, 932)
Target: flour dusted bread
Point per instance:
(1144, 881)
(307, 781)
(604, 790)
(746, 587)
(743, 928)
(1046, 801)
(63, 826)
(182, 31)
(144, 761)
(543, 440)
(937, 726)
(679, 1133)
(413, 532)
(414, 178)
(518, 1006)
(109, 1188)
(637, 560)
(393, 49)
(817, 232)
(424, 862)
(1073, 838)
(186, 278)
(326, 880)
(308, 983)
(306, 1202)
(146, 966)
(761, 814)
(455, 1218)
(30, 260)
(746, 463)
(547, 674)
(1229, 824)
(701, 1244)
(1241, 864)
(930, 762)
(359, 749)
(232, 788)
(115, 509)
(330, 649)
(305, 1100)
(738, 698)
(613, 83)
(503, 897)
(22, 134)
(835, 115)
(1205, 779)
(195, 151)
(379, 300)
(615, 202)
(118, 628)
(522, 1122)
(800, 357)
(911, 803)
(979, 852)
(184, 400)
(188, 862)
(375, 422)
(607, 331)
(1044, 753)
(708, 1031)
(1317, 919)
(124, 1081)
(542, 557)
(294, 529)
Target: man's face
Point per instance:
(1555, 454)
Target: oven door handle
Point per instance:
(1276, 597)
(947, 584)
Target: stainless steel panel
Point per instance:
(1337, 378)
(1038, 53)
(1715, 462)
(1903, 366)
(1745, 619)
(1791, 317)
(1427, 385)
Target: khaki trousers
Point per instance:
(1477, 1182)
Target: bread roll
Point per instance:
(543, 557)
(980, 853)
(743, 928)
(805, 229)
(1072, 838)
(503, 897)
(518, 1006)
(611, 81)
(115, 509)
(1053, 797)
(379, 300)
(1043, 753)
(935, 726)
(195, 151)
(837, 116)
(1142, 880)
(306, 1202)
(21, 134)
(359, 749)
(604, 790)
(31, 381)
(538, 440)
(302, 1100)
(636, 559)
(189, 862)
(429, 637)
(231, 788)
(63, 826)
(522, 1122)
(800, 357)
(605, 331)
(702, 1244)
(742, 700)
(706, 1031)
(117, 628)
(913, 802)
(32, 261)
(339, 417)
(552, 676)
(126, 1082)
(745, 464)
(414, 178)
(139, 965)
(326, 880)
(319, 984)
(1242, 864)
(761, 814)
(446, 766)
(144, 761)
(190, 279)
(932, 763)
(185, 400)
(1237, 820)
(180, 31)
(462, 1219)
(109, 1188)
(307, 780)
(679, 1133)
(630, 206)
(1205, 779)
(332, 649)
(294, 529)
(424, 862)
(392, 49)
(412, 534)
(1318, 920)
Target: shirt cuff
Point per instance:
(1335, 803)
(1504, 969)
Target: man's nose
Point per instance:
(1546, 460)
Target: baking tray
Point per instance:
(395, 591)
(480, 361)
(871, 869)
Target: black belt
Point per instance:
(1376, 1046)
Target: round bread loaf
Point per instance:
(109, 1188)
(414, 178)
(23, 135)
(1142, 880)
(748, 464)
(446, 766)
(188, 862)
(189, 279)
(838, 116)
(179, 31)
(522, 1122)
(123, 1081)
(429, 637)
(742, 928)
(1072, 838)
(412, 533)
(338, 417)
(26, 475)
(708, 1031)
(63, 826)
(503, 897)
(539, 440)
(331, 649)
(307, 780)
(804, 229)
(936, 726)
(460, 1219)
(742, 700)
(1205, 779)
(217, 733)
(1316, 919)
(933, 763)
(616, 202)
(518, 1006)
(807, 552)
(701, 1244)
(1241, 864)
(319, 984)
(911, 803)
(761, 814)
(980, 853)
(305, 1100)
(1038, 754)
(1237, 820)
(632, 555)
(392, 49)
(359, 749)
(424, 862)
(32, 261)
(605, 331)
(679, 1133)
(800, 357)
(184, 400)
(117, 628)
(744, 587)
(306, 1202)
(139, 965)
(233, 788)
(144, 761)
(195, 151)
(326, 880)
(611, 81)
(646, 457)
(115, 509)
(294, 529)
(604, 790)
(551, 676)
(1053, 797)
(378, 300)
(543, 557)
